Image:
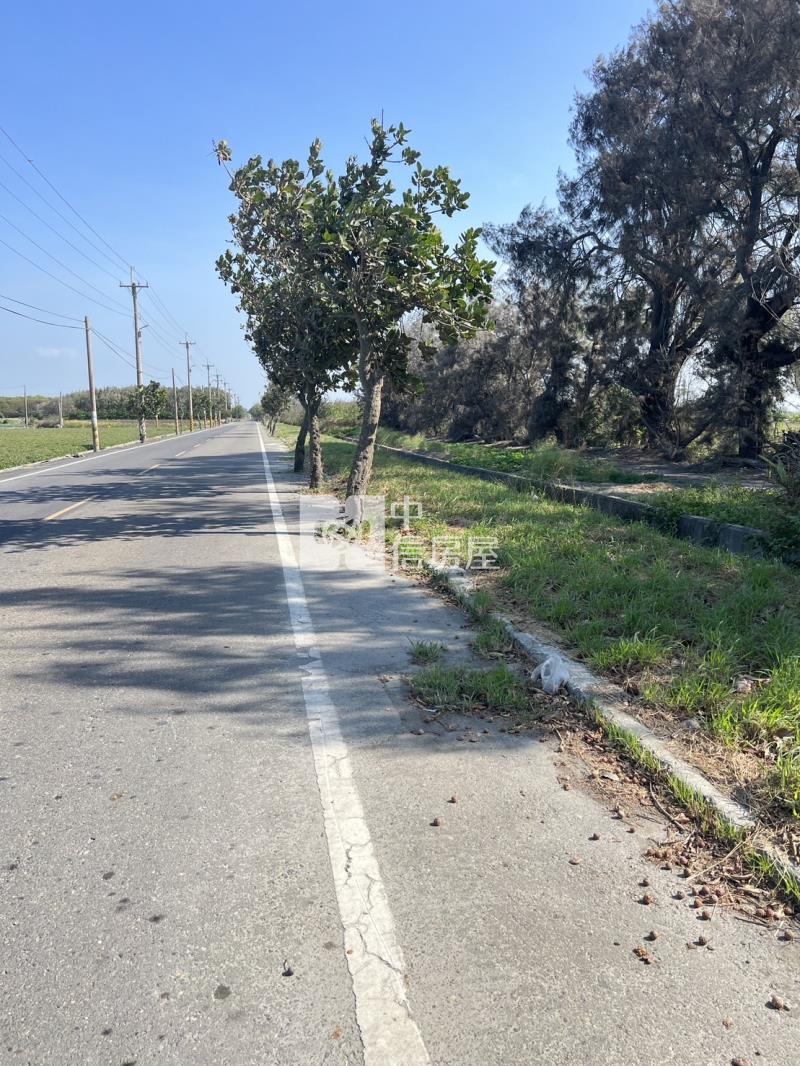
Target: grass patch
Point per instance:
(704, 633)
(766, 509)
(424, 652)
(492, 638)
(463, 690)
(19, 446)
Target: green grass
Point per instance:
(544, 461)
(18, 446)
(423, 652)
(684, 622)
(766, 509)
(492, 638)
(460, 689)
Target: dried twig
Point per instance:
(663, 810)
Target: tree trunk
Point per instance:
(656, 413)
(371, 380)
(752, 408)
(300, 443)
(316, 449)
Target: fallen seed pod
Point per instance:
(777, 1003)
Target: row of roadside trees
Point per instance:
(113, 402)
(658, 303)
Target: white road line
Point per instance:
(388, 1031)
(88, 459)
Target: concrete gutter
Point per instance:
(707, 532)
(609, 703)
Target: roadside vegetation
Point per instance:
(19, 446)
(770, 509)
(461, 689)
(697, 634)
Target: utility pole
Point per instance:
(187, 344)
(219, 414)
(208, 371)
(25, 394)
(175, 402)
(92, 396)
(134, 287)
(60, 411)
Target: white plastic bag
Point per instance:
(553, 672)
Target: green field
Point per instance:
(697, 633)
(19, 446)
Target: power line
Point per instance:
(167, 311)
(50, 255)
(66, 240)
(44, 310)
(113, 347)
(160, 307)
(166, 322)
(60, 281)
(64, 200)
(20, 314)
(55, 210)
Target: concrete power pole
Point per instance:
(175, 402)
(187, 345)
(219, 403)
(208, 372)
(25, 394)
(134, 287)
(60, 411)
(92, 396)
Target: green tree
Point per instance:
(273, 403)
(383, 258)
(293, 319)
(156, 399)
(328, 269)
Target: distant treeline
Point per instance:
(112, 402)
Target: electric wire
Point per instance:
(61, 281)
(63, 266)
(65, 201)
(20, 314)
(44, 310)
(66, 240)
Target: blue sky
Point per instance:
(118, 105)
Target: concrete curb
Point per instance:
(707, 532)
(607, 699)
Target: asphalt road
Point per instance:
(215, 839)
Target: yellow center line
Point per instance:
(64, 510)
